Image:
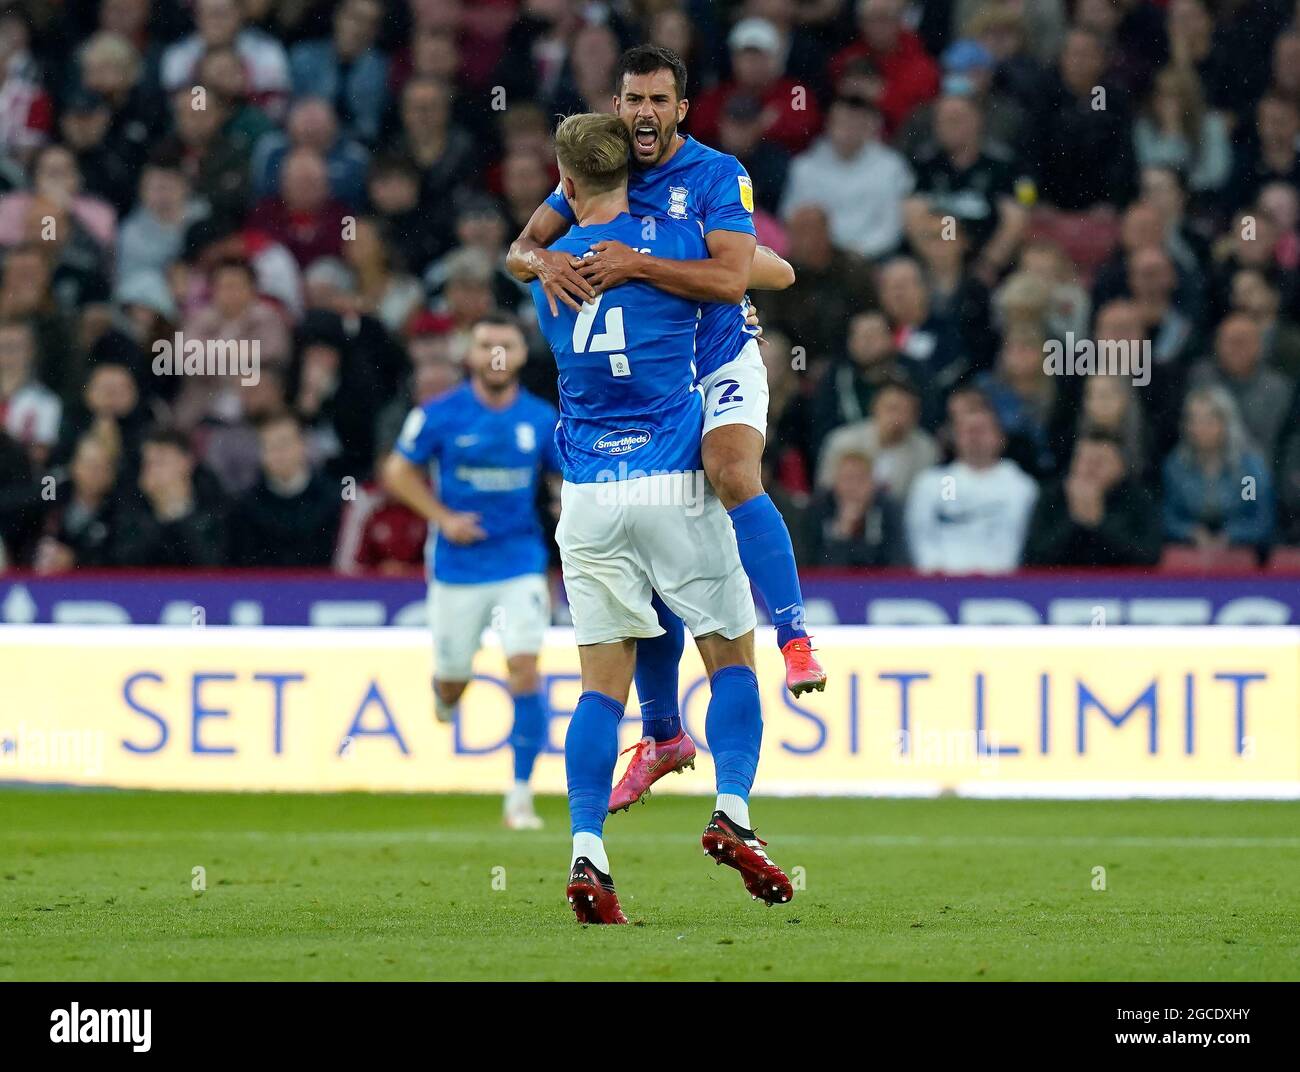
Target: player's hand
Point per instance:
(462, 528)
(610, 264)
(558, 274)
(752, 326)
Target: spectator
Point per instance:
(855, 522)
(968, 71)
(1255, 293)
(956, 295)
(788, 450)
(29, 411)
(790, 115)
(57, 179)
(979, 185)
(312, 125)
(899, 450)
(221, 72)
(740, 133)
(305, 218)
(1217, 491)
(336, 396)
(347, 68)
(525, 182)
(931, 341)
(291, 516)
(1263, 395)
(237, 315)
(109, 410)
(858, 181)
(846, 389)
(215, 162)
(589, 74)
(382, 289)
(909, 75)
(1098, 515)
(1067, 127)
(1272, 156)
(970, 516)
(221, 24)
(151, 236)
(1023, 395)
(1109, 404)
(442, 152)
(109, 172)
(830, 286)
(26, 111)
(1175, 130)
(419, 236)
(113, 70)
(1152, 282)
(80, 528)
(26, 294)
(171, 526)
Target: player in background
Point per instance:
(637, 517)
(676, 178)
(486, 443)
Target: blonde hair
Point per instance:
(593, 148)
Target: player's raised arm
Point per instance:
(722, 277)
(769, 270)
(529, 259)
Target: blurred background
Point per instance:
(957, 184)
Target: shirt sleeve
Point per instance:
(421, 436)
(557, 202)
(729, 201)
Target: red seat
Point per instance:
(1178, 558)
(1087, 238)
(1284, 560)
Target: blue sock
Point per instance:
(768, 558)
(528, 736)
(656, 676)
(734, 728)
(590, 752)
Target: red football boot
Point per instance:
(591, 893)
(803, 672)
(651, 760)
(742, 849)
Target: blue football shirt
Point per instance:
(628, 402)
(713, 191)
(487, 462)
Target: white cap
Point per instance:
(756, 33)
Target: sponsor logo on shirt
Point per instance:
(746, 192)
(623, 441)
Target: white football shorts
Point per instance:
(517, 609)
(736, 393)
(620, 541)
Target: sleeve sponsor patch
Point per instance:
(746, 192)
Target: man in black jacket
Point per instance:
(1097, 516)
(176, 524)
(290, 517)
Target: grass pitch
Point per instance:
(99, 885)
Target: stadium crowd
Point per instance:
(958, 185)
